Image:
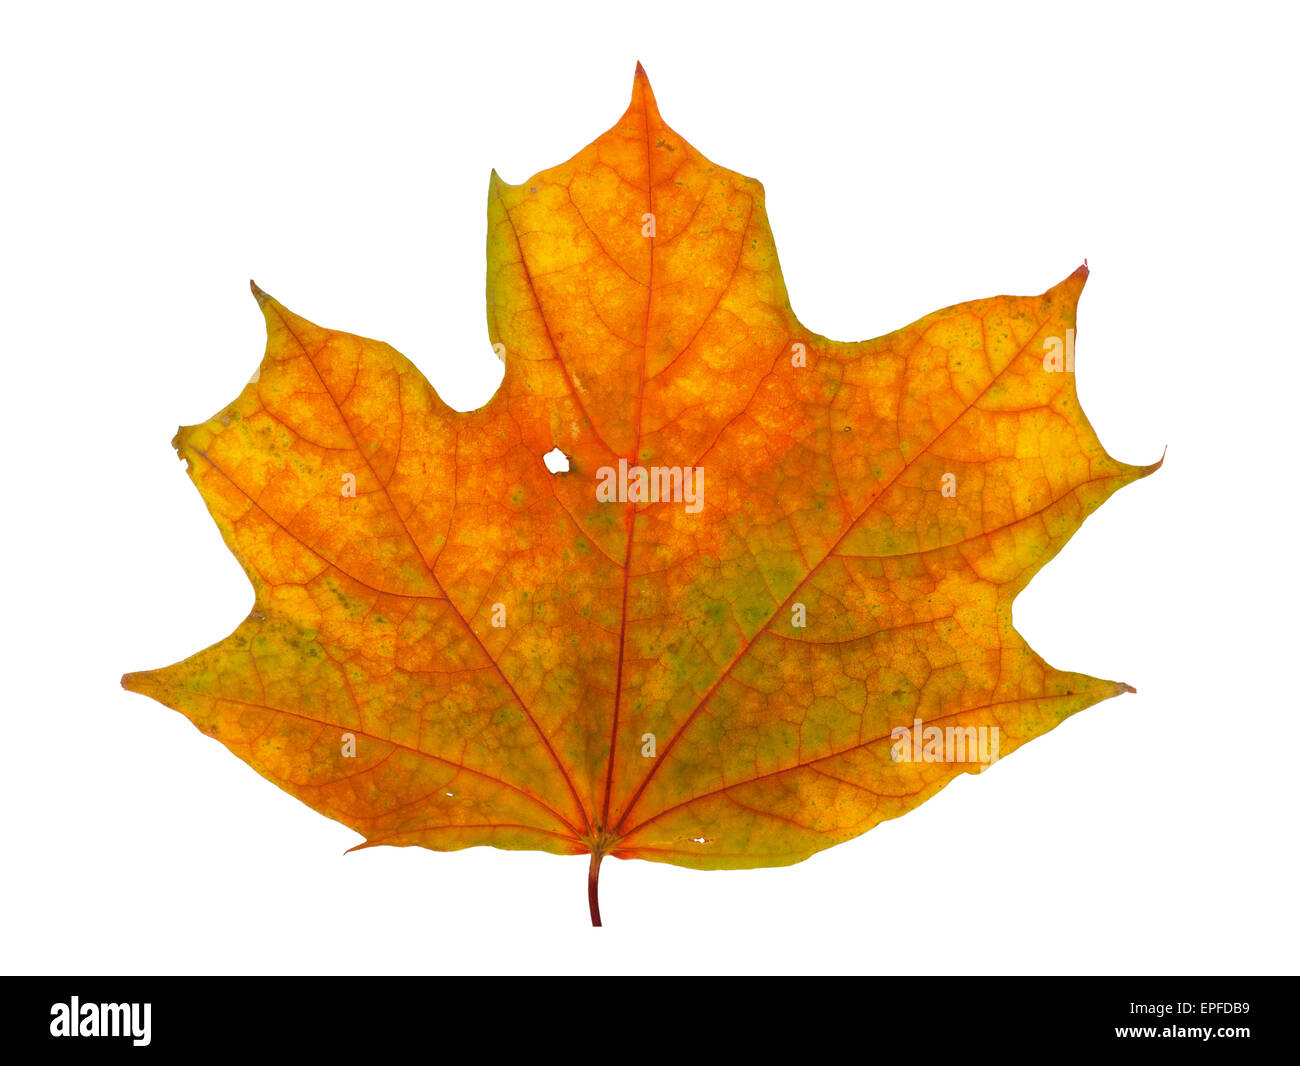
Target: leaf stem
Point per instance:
(593, 887)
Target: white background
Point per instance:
(157, 157)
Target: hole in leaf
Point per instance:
(556, 461)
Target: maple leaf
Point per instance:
(770, 594)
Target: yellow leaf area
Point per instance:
(771, 550)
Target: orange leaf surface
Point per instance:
(768, 605)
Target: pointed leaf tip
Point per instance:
(258, 294)
(1153, 467)
(643, 96)
(641, 83)
(137, 681)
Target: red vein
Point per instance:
(654, 768)
(568, 780)
(631, 507)
(404, 747)
(834, 755)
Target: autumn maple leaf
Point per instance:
(760, 613)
